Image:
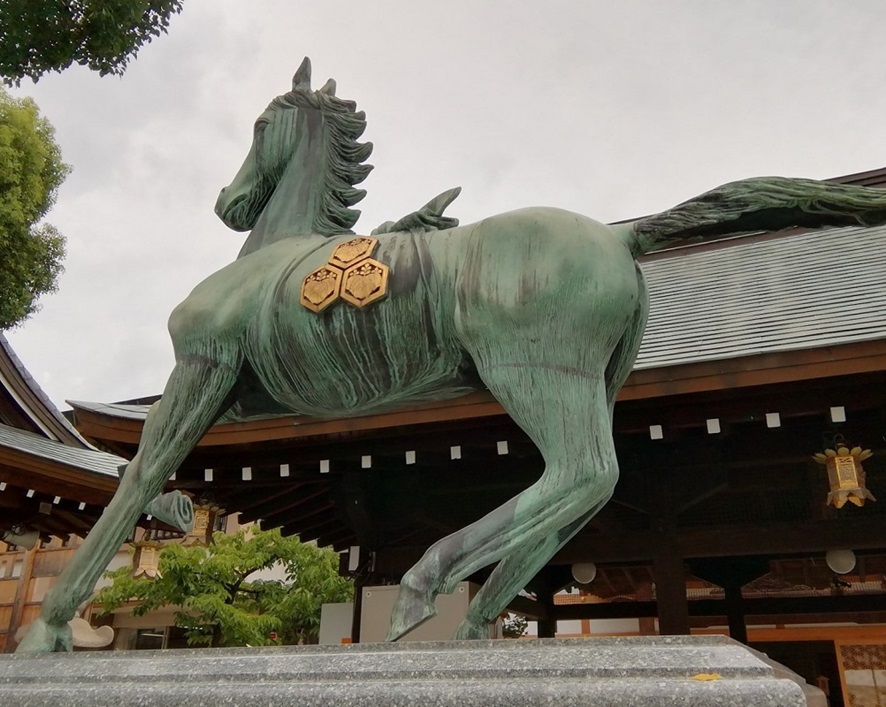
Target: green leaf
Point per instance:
(218, 603)
(39, 36)
(31, 170)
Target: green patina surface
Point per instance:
(544, 308)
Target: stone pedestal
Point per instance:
(646, 672)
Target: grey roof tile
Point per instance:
(803, 291)
(122, 410)
(85, 459)
(28, 380)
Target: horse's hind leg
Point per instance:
(513, 572)
(565, 411)
(195, 395)
(511, 575)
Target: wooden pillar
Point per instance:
(667, 560)
(547, 627)
(732, 573)
(21, 596)
(738, 630)
(646, 623)
(359, 585)
(670, 588)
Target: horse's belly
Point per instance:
(348, 360)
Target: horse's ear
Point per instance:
(302, 78)
(328, 88)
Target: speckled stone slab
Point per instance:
(646, 672)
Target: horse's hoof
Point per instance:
(470, 631)
(43, 637)
(412, 609)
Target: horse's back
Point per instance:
(543, 272)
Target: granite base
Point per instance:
(644, 672)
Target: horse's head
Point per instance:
(316, 119)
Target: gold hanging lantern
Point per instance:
(846, 475)
(205, 516)
(146, 561)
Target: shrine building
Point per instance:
(762, 351)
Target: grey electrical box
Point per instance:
(378, 602)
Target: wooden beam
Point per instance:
(74, 521)
(728, 374)
(530, 608)
(54, 478)
(293, 527)
(314, 531)
(795, 605)
(100, 426)
(605, 610)
(288, 510)
(256, 504)
(864, 533)
(235, 485)
(749, 371)
(332, 539)
(754, 608)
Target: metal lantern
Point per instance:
(205, 515)
(146, 561)
(846, 475)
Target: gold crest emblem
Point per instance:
(364, 283)
(321, 288)
(350, 274)
(353, 251)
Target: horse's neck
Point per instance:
(293, 208)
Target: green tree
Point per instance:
(31, 170)
(38, 36)
(217, 603)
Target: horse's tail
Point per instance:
(760, 204)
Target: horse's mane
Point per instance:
(344, 156)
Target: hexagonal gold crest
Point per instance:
(353, 251)
(365, 282)
(321, 288)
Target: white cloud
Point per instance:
(610, 109)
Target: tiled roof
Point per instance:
(121, 410)
(802, 291)
(85, 459)
(32, 403)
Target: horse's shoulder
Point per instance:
(230, 296)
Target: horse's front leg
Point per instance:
(196, 394)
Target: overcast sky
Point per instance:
(611, 108)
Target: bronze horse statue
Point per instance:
(542, 307)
